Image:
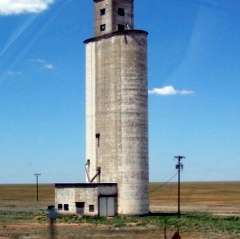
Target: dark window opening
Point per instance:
(121, 12)
(121, 27)
(51, 207)
(103, 12)
(66, 207)
(103, 27)
(98, 139)
(91, 208)
(60, 206)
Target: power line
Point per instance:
(163, 184)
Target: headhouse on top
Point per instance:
(113, 15)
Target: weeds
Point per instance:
(188, 222)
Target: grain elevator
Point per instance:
(116, 166)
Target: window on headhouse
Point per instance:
(102, 27)
(60, 206)
(121, 27)
(121, 12)
(91, 208)
(103, 12)
(66, 207)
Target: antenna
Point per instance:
(179, 167)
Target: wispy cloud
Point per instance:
(43, 63)
(13, 73)
(14, 7)
(170, 90)
(49, 66)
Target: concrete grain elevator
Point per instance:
(116, 116)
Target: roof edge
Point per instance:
(117, 33)
(82, 185)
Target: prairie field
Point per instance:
(220, 198)
(209, 210)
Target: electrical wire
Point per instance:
(164, 184)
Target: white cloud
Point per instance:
(43, 63)
(13, 7)
(49, 66)
(169, 90)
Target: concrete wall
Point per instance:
(66, 196)
(90, 108)
(133, 166)
(107, 190)
(121, 116)
(128, 19)
(87, 194)
(90, 197)
(111, 18)
(106, 19)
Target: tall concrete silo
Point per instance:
(117, 105)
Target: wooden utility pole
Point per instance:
(179, 167)
(37, 175)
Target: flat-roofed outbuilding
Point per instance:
(90, 199)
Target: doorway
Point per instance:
(107, 206)
(80, 208)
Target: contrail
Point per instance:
(18, 33)
(40, 31)
(212, 4)
(34, 38)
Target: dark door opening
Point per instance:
(121, 27)
(80, 208)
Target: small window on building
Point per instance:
(102, 27)
(66, 207)
(121, 27)
(103, 12)
(91, 208)
(60, 206)
(98, 139)
(121, 12)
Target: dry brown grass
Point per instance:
(221, 197)
(23, 197)
(218, 198)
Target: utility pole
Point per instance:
(179, 167)
(37, 175)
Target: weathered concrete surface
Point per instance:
(87, 193)
(111, 18)
(117, 106)
(90, 108)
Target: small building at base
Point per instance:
(91, 199)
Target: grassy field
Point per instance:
(210, 210)
(222, 198)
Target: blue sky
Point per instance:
(194, 56)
